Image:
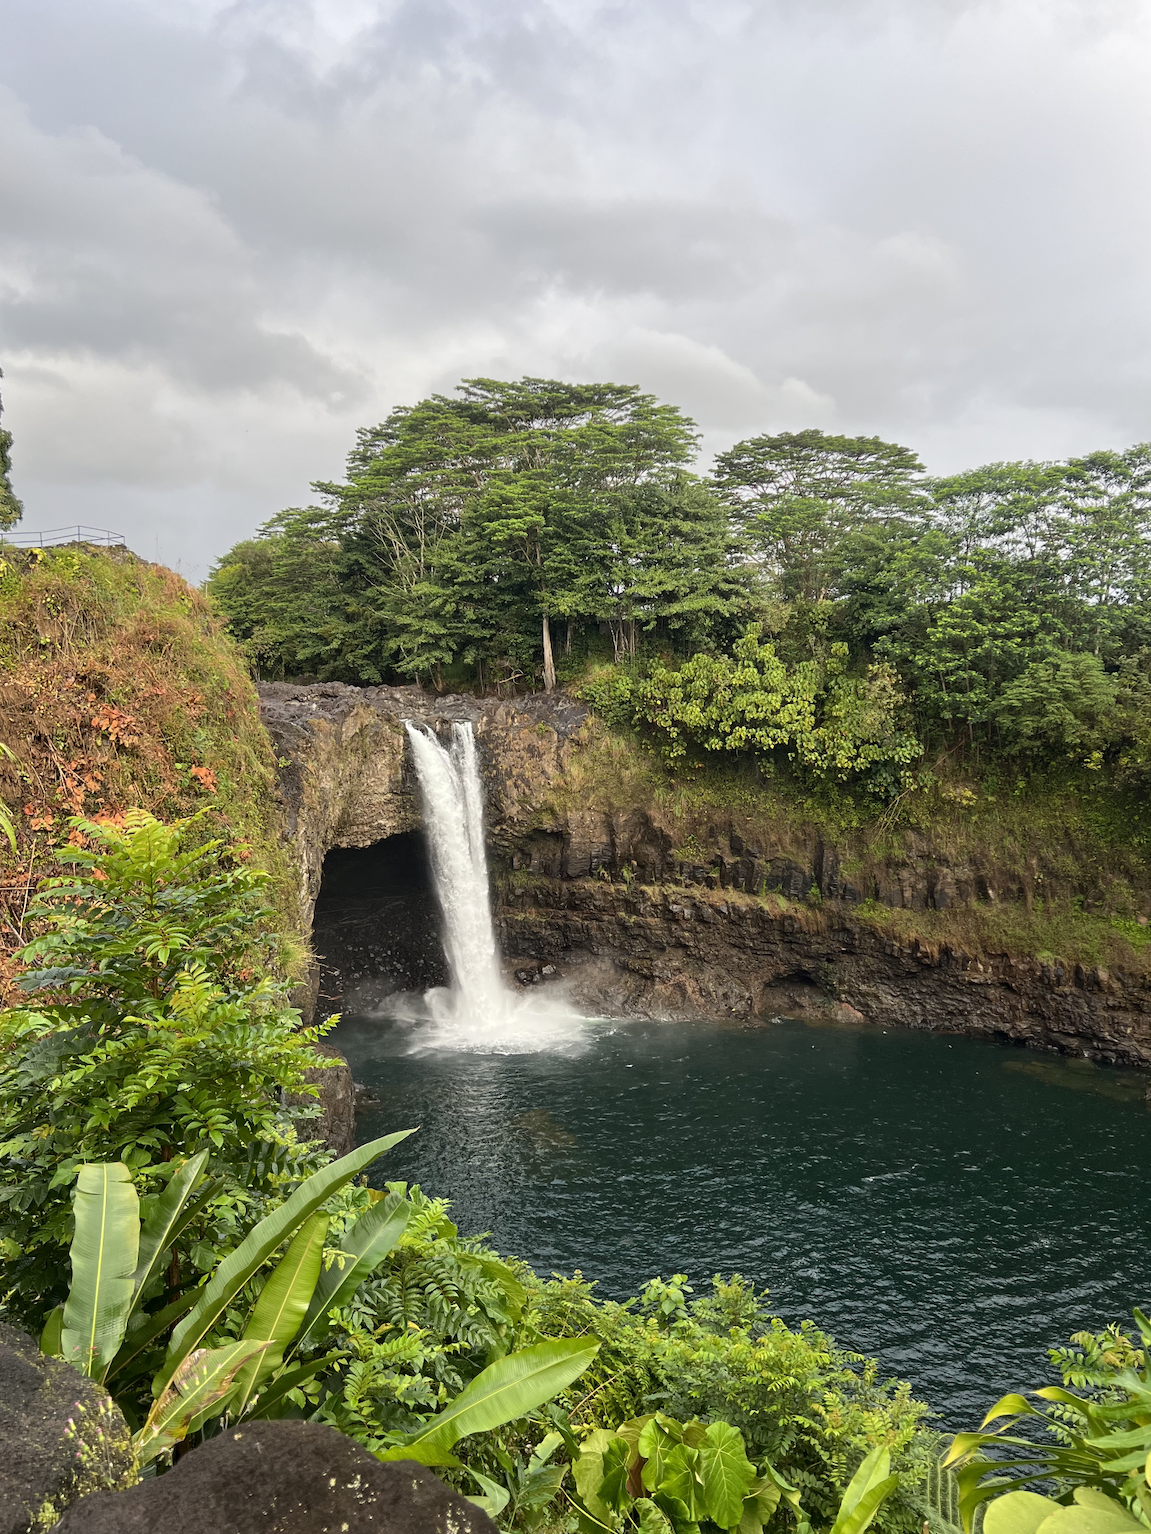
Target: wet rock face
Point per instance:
(640, 918)
(335, 1124)
(281, 1478)
(60, 1436)
(684, 953)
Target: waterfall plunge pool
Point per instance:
(949, 1206)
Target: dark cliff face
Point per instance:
(637, 918)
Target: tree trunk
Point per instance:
(568, 640)
(549, 663)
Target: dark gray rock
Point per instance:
(336, 1125)
(281, 1478)
(60, 1436)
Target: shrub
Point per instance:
(156, 1032)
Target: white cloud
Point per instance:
(232, 232)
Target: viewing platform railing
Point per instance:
(22, 538)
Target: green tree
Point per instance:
(796, 494)
(11, 509)
(465, 527)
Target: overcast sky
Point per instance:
(232, 233)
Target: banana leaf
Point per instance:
(237, 1268)
(165, 1222)
(505, 1390)
(203, 1379)
(366, 1244)
(104, 1253)
(282, 1305)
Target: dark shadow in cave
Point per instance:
(376, 927)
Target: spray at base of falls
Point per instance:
(477, 1012)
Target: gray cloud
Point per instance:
(232, 232)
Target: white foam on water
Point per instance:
(478, 1011)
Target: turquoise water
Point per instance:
(949, 1206)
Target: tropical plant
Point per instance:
(1095, 1447)
(660, 1476)
(104, 1329)
(156, 1032)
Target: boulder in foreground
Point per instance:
(281, 1478)
(60, 1436)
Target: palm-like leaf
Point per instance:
(505, 1390)
(281, 1307)
(236, 1269)
(105, 1250)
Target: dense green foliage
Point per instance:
(1095, 1446)
(469, 527)
(819, 603)
(155, 1032)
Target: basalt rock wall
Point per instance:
(640, 920)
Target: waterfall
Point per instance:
(454, 820)
(478, 1011)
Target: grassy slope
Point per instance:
(118, 688)
(1070, 860)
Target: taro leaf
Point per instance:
(726, 1473)
(613, 1487)
(104, 1251)
(652, 1519)
(680, 1481)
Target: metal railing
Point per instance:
(23, 539)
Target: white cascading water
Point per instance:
(478, 1011)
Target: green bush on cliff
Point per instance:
(155, 1031)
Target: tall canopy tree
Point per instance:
(467, 525)
(797, 494)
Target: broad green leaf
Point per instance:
(202, 1380)
(165, 1222)
(495, 1497)
(1081, 1519)
(290, 1380)
(652, 1520)
(282, 1305)
(726, 1473)
(366, 1243)
(148, 1328)
(874, 1468)
(587, 1469)
(613, 1488)
(104, 1254)
(546, 1447)
(50, 1336)
(505, 1390)
(680, 1481)
(865, 1509)
(237, 1268)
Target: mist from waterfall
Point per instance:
(477, 1011)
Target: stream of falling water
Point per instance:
(477, 1011)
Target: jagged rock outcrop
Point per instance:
(641, 916)
(666, 953)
